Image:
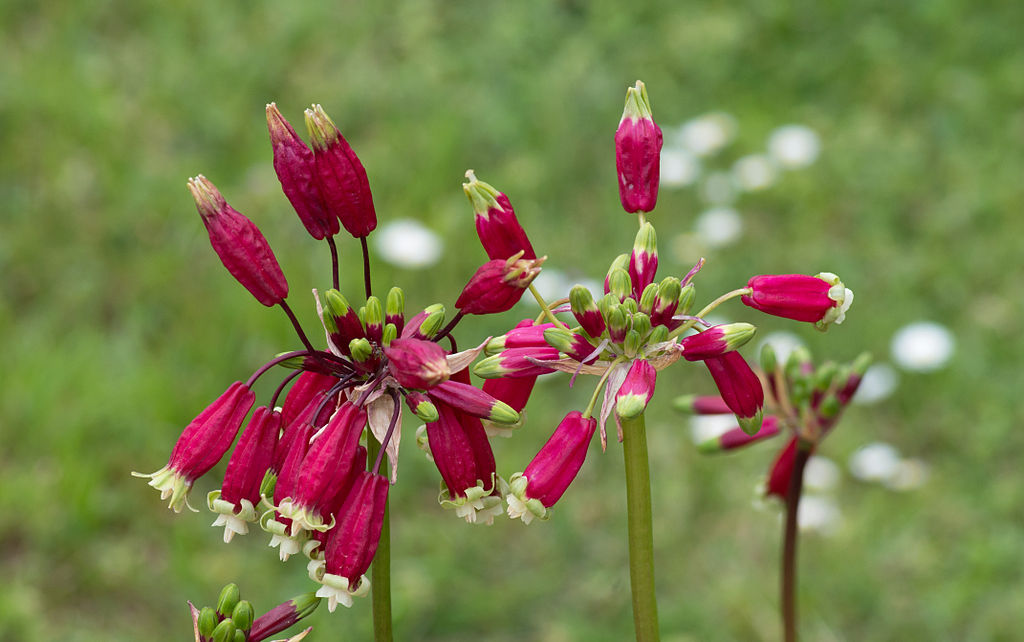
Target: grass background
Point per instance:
(119, 325)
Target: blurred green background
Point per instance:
(119, 324)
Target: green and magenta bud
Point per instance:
(394, 308)
(225, 631)
(417, 363)
(340, 175)
(631, 344)
(666, 301)
(586, 311)
(421, 406)
(740, 388)
(821, 300)
(606, 304)
(352, 543)
(373, 319)
(618, 323)
(498, 285)
(571, 343)
(237, 501)
(687, 295)
(524, 335)
(228, 599)
(715, 341)
(769, 360)
(390, 334)
(425, 324)
(496, 224)
(240, 245)
(207, 621)
(701, 405)
(341, 320)
(201, 445)
(619, 284)
(473, 401)
(638, 152)
(636, 391)
(643, 261)
(243, 615)
(361, 350)
(516, 362)
(648, 298)
(658, 335)
(621, 262)
(782, 471)
(641, 323)
(738, 438)
(295, 165)
(857, 369)
(283, 616)
(546, 478)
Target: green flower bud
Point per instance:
(243, 615)
(647, 298)
(630, 304)
(825, 374)
(768, 359)
(658, 335)
(641, 323)
(361, 349)
(228, 600)
(607, 303)
(632, 343)
(686, 298)
(390, 334)
(619, 284)
(225, 631)
(207, 621)
(434, 321)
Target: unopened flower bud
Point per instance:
(586, 311)
(201, 445)
(341, 320)
(498, 285)
(658, 335)
(619, 284)
(621, 262)
(426, 323)
(666, 301)
(857, 369)
(701, 405)
(571, 343)
(638, 152)
(821, 300)
(243, 615)
(496, 224)
(340, 175)
(618, 323)
(641, 323)
(373, 320)
(240, 245)
(207, 621)
(768, 359)
(740, 388)
(737, 437)
(417, 363)
(648, 298)
(631, 344)
(687, 295)
(394, 309)
(782, 471)
(529, 335)
(715, 341)
(473, 401)
(516, 362)
(228, 599)
(421, 406)
(643, 261)
(546, 478)
(296, 169)
(361, 350)
(636, 391)
(606, 304)
(283, 616)
(225, 631)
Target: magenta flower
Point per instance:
(715, 341)
(638, 152)
(496, 224)
(636, 390)
(740, 388)
(416, 363)
(340, 175)
(821, 300)
(498, 285)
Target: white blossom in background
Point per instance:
(912, 474)
(922, 346)
(879, 382)
(783, 343)
(705, 427)
(794, 146)
(719, 226)
(407, 243)
(754, 172)
(707, 134)
(877, 462)
(679, 167)
(818, 514)
(718, 188)
(821, 473)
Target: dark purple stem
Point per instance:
(273, 362)
(451, 326)
(335, 389)
(334, 261)
(298, 328)
(366, 267)
(789, 541)
(387, 435)
(280, 388)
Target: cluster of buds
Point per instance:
(299, 469)
(803, 402)
(234, 619)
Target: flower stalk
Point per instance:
(640, 529)
(789, 542)
(380, 569)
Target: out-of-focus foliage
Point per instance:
(119, 324)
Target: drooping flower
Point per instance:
(340, 175)
(496, 224)
(821, 300)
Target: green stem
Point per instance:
(641, 534)
(707, 310)
(545, 308)
(380, 570)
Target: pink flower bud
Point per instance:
(515, 391)
(500, 232)
(636, 390)
(821, 299)
(473, 401)
(517, 362)
(541, 485)
(737, 437)
(643, 261)
(521, 336)
(201, 445)
(782, 471)
(352, 543)
(416, 363)
(571, 343)
(283, 616)
(296, 169)
(308, 386)
(498, 285)
(740, 388)
(340, 175)
(240, 245)
(702, 405)
(239, 495)
(715, 341)
(452, 451)
(586, 311)
(638, 152)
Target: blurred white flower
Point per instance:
(821, 473)
(922, 346)
(754, 172)
(705, 427)
(782, 343)
(407, 243)
(794, 146)
(819, 514)
(718, 188)
(678, 167)
(879, 382)
(876, 461)
(719, 226)
(912, 473)
(707, 134)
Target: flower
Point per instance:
(821, 300)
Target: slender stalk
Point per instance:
(334, 262)
(707, 310)
(545, 308)
(789, 541)
(366, 267)
(446, 331)
(380, 570)
(298, 328)
(641, 534)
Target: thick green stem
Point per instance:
(789, 540)
(641, 534)
(380, 570)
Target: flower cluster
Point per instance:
(234, 619)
